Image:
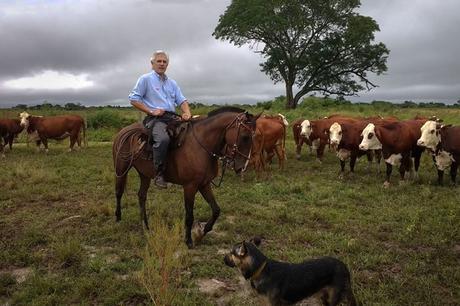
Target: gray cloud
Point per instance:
(112, 41)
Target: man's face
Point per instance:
(160, 63)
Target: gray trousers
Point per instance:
(160, 141)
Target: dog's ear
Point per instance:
(256, 240)
(241, 249)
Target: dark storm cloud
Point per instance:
(111, 41)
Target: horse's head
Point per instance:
(238, 138)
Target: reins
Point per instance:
(225, 158)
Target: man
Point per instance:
(157, 95)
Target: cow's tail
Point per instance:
(284, 142)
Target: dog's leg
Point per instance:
(350, 296)
(335, 295)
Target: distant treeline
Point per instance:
(278, 103)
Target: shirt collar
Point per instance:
(159, 77)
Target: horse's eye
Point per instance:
(432, 131)
(370, 135)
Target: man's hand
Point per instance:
(186, 116)
(157, 112)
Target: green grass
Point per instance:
(57, 219)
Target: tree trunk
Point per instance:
(290, 103)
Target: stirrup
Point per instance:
(160, 182)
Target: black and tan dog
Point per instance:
(285, 283)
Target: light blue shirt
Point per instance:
(156, 93)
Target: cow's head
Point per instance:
(335, 134)
(370, 140)
(24, 117)
(430, 137)
(305, 128)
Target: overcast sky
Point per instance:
(92, 52)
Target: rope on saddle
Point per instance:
(132, 135)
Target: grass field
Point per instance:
(60, 243)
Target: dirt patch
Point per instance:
(20, 274)
(214, 287)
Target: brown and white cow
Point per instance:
(398, 141)
(54, 127)
(9, 129)
(347, 137)
(444, 143)
(299, 140)
(317, 131)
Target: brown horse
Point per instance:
(225, 134)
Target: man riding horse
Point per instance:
(157, 95)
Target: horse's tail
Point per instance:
(127, 147)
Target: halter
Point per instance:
(229, 157)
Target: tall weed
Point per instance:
(164, 260)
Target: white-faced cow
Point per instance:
(9, 129)
(317, 131)
(346, 137)
(398, 141)
(54, 127)
(299, 140)
(444, 143)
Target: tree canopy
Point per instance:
(317, 45)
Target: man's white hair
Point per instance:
(158, 52)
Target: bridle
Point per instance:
(231, 154)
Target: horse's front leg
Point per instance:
(189, 201)
(142, 195)
(208, 195)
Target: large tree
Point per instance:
(316, 45)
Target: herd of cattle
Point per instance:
(400, 142)
(397, 141)
(40, 129)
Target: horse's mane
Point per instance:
(224, 109)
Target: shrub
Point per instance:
(107, 119)
(164, 259)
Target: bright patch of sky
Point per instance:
(52, 80)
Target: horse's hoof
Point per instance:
(197, 232)
(386, 184)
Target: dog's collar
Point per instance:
(256, 274)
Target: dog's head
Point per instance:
(246, 257)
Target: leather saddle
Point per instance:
(177, 130)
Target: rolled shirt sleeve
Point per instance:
(139, 90)
(179, 96)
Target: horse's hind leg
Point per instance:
(208, 195)
(120, 184)
(142, 194)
